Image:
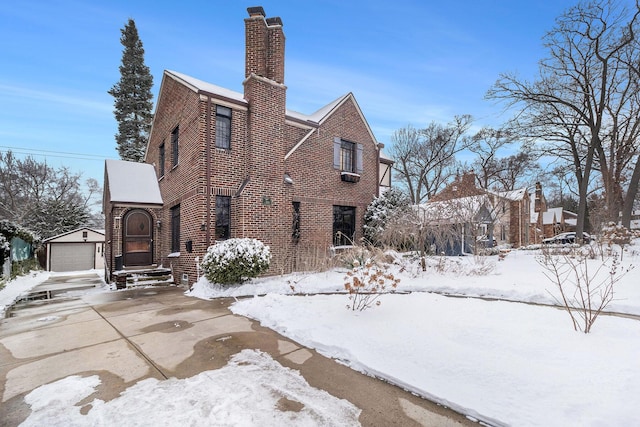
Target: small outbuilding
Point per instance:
(81, 249)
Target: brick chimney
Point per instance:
(265, 196)
(264, 55)
(537, 204)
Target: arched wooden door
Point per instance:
(138, 238)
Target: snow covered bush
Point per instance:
(381, 210)
(235, 261)
(616, 234)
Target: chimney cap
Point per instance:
(274, 21)
(256, 10)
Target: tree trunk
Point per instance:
(630, 197)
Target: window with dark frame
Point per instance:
(344, 225)
(223, 217)
(223, 127)
(161, 160)
(175, 228)
(295, 228)
(174, 146)
(347, 156)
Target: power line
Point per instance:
(50, 153)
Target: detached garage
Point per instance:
(81, 249)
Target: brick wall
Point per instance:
(252, 170)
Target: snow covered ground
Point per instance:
(508, 363)
(20, 286)
(503, 359)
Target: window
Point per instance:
(175, 228)
(344, 225)
(223, 217)
(174, 146)
(347, 156)
(161, 160)
(223, 127)
(295, 228)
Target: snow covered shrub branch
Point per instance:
(584, 292)
(235, 261)
(615, 234)
(366, 282)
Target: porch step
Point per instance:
(143, 277)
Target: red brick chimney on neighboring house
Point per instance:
(537, 206)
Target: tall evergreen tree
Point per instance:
(133, 98)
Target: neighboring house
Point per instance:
(228, 164)
(386, 165)
(517, 218)
(478, 216)
(547, 222)
(81, 249)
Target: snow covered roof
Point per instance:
(534, 217)
(463, 209)
(384, 157)
(513, 195)
(198, 85)
(549, 217)
(93, 230)
(120, 175)
(311, 120)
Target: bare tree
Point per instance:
(46, 200)
(485, 145)
(584, 86)
(425, 158)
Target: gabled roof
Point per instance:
(549, 217)
(559, 213)
(121, 175)
(308, 121)
(458, 210)
(513, 195)
(201, 86)
(93, 230)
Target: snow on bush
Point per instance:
(381, 210)
(235, 261)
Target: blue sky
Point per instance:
(406, 61)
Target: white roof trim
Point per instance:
(295, 147)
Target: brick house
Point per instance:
(547, 222)
(231, 164)
(476, 214)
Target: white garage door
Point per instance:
(71, 256)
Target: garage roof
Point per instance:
(95, 235)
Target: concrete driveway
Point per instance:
(126, 336)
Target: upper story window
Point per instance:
(223, 127)
(174, 146)
(161, 160)
(348, 157)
